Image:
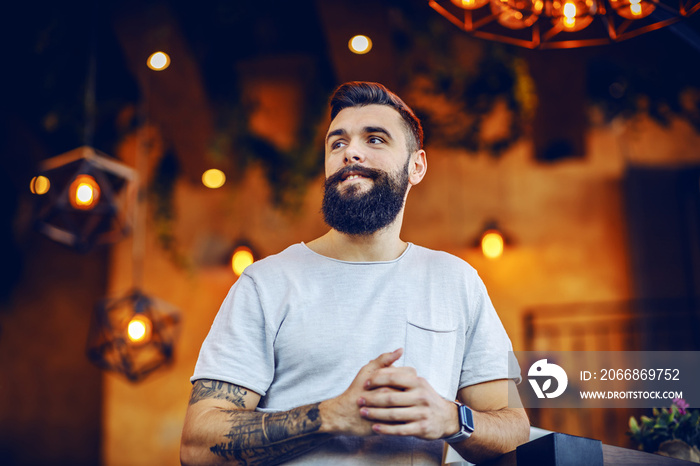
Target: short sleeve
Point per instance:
(488, 351)
(238, 348)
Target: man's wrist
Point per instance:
(465, 424)
(324, 411)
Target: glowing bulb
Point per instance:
(84, 192)
(360, 44)
(574, 15)
(39, 185)
(492, 244)
(158, 61)
(517, 14)
(633, 9)
(139, 329)
(242, 258)
(213, 178)
(470, 4)
(570, 10)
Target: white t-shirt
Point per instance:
(297, 326)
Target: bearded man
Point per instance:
(283, 375)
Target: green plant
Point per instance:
(676, 423)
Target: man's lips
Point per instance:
(350, 173)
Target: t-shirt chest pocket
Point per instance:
(432, 352)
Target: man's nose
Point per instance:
(353, 153)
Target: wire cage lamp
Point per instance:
(561, 24)
(84, 198)
(133, 335)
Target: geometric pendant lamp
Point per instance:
(133, 335)
(84, 198)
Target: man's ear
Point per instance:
(417, 167)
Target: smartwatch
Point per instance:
(466, 424)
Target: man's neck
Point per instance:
(383, 245)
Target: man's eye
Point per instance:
(375, 140)
(337, 144)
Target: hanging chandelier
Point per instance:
(559, 24)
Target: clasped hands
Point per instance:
(388, 400)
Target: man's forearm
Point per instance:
(269, 438)
(220, 426)
(496, 432)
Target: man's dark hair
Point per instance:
(360, 93)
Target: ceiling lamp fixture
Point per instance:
(492, 240)
(561, 24)
(84, 198)
(242, 256)
(133, 335)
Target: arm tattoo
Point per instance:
(206, 388)
(268, 438)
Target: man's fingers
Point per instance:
(392, 415)
(384, 360)
(387, 359)
(394, 377)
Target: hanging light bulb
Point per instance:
(213, 178)
(517, 14)
(84, 192)
(360, 44)
(139, 329)
(158, 61)
(242, 257)
(633, 9)
(492, 244)
(573, 15)
(470, 4)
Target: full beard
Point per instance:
(354, 213)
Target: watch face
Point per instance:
(466, 418)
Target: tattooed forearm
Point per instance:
(259, 438)
(217, 389)
(271, 455)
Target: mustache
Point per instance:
(337, 177)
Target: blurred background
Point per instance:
(585, 162)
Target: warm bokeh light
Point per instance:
(158, 61)
(517, 14)
(39, 185)
(573, 15)
(470, 4)
(213, 178)
(84, 192)
(242, 258)
(633, 9)
(360, 44)
(139, 329)
(492, 244)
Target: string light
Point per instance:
(360, 44)
(158, 61)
